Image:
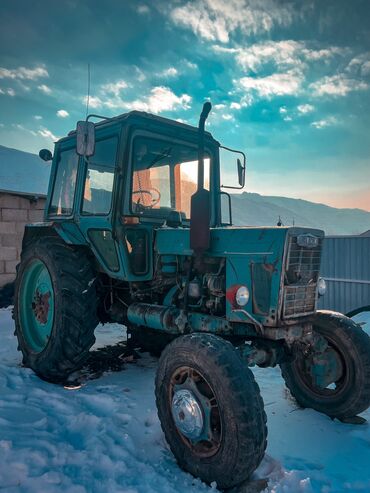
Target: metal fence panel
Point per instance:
(345, 266)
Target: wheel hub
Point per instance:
(36, 305)
(187, 414)
(40, 306)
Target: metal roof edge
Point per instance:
(24, 194)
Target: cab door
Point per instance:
(98, 180)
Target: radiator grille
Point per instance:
(302, 272)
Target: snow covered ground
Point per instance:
(105, 435)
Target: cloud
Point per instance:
(94, 101)
(337, 85)
(283, 110)
(360, 65)
(315, 55)
(47, 134)
(62, 113)
(169, 72)
(278, 84)
(326, 122)
(139, 74)
(9, 91)
(235, 106)
(38, 117)
(215, 20)
(115, 87)
(220, 106)
(160, 99)
(23, 73)
(283, 55)
(18, 126)
(191, 65)
(44, 88)
(305, 108)
(143, 9)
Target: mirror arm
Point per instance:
(232, 188)
(244, 163)
(235, 150)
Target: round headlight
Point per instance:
(321, 286)
(242, 296)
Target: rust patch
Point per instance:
(40, 306)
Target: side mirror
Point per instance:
(241, 172)
(85, 138)
(45, 155)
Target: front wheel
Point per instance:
(210, 409)
(335, 382)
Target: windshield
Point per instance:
(164, 177)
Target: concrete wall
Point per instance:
(15, 212)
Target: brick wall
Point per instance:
(15, 212)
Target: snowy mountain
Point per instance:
(23, 172)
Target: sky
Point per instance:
(289, 80)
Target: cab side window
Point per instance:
(97, 197)
(65, 183)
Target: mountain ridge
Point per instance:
(264, 210)
(24, 172)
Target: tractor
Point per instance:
(135, 233)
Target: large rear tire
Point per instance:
(54, 308)
(210, 409)
(349, 393)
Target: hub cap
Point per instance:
(195, 411)
(187, 414)
(36, 305)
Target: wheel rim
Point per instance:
(36, 307)
(195, 412)
(337, 386)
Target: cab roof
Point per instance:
(137, 116)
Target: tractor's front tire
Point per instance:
(54, 308)
(210, 409)
(349, 394)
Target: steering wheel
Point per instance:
(156, 197)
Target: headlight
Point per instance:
(321, 286)
(242, 296)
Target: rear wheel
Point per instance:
(210, 409)
(336, 381)
(54, 308)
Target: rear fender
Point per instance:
(69, 232)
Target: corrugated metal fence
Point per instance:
(346, 268)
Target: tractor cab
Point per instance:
(130, 175)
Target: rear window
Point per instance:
(65, 183)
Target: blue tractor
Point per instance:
(134, 233)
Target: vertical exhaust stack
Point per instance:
(200, 214)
